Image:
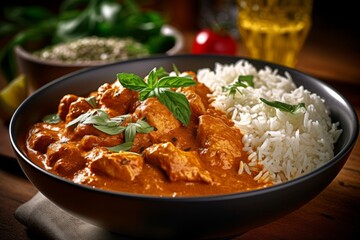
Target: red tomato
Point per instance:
(208, 41)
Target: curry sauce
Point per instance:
(164, 157)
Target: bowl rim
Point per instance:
(167, 30)
(218, 197)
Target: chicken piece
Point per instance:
(196, 105)
(102, 89)
(64, 105)
(41, 136)
(222, 145)
(64, 158)
(200, 89)
(158, 116)
(220, 114)
(141, 141)
(183, 138)
(117, 100)
(77, 108)
(121, 165)
(178, 165)
(203, 91)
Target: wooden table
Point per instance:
(333, 214)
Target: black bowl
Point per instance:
(185, 217)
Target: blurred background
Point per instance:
(334, 35)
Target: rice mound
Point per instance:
(287, 145)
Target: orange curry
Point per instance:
(169, 159)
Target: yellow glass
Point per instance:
(274, 30)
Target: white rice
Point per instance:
(287, 145)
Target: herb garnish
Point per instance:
(159, 86)
(284, 106)
(242, 81)
(52, 118)
(91, 101)
(113, 126)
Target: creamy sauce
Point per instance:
(202, 158)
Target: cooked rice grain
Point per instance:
(287, 145)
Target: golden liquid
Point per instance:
(274, 30)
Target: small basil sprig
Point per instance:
(101, 121)
(91, 101)
(284, 106)
(113, 126)
(160, 87)
(130, 131)
(242, 81)
(52, 118)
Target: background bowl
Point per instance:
(134, 215)
(39, 72)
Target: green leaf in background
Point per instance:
(160, 43)
(27, 16)
(7, 28)
(69, 5)
(81, 18)
(7, 58)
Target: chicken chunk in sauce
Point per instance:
(158, 116)
(221, 144)
(178, 165)
(124, 166)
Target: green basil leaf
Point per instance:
(111, 130)
(176, 70)
(143, 127)
(126, 146)
(161, 72)
(146, 93)
(175, 82)
(52, 118)
(99, 118)
(284, 106)
(177, 103)
(130, 132)
(91, 101)
(248, 79)
(120, 119)
(242, 81)
(80, 118)
(152, 79)
(131, 81)
(95, 120)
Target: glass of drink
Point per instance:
(274, 30)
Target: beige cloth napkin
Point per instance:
(45, 219)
